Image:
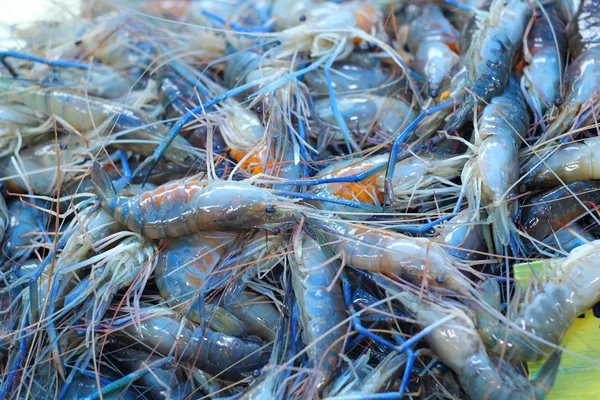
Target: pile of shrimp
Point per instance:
(277, 199)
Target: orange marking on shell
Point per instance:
(145, 197)
(453, 46)
(166, 195)
(255, 163)
(168, 8)
(363, 191)
(520, 65)
(444, 95)
(367, 18)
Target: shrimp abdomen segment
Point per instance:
(571, 163)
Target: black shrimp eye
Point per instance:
(558, 101)
(302, 18)
(270, 209)
(256, 373)
(259, 109)
(596, 310)
(440, 279)
(63, 146)
(78, 42)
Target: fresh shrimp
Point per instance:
(193, 205)
(456, 342)
(87, 113)
(489, 59)
(538, 317)
(552, 211)
(571, 162)
(420, 261)
(321, 308)
(225, 356)
(544, 52)
(108, 39)
(39, 168)
(420, 175)
(491, 175)
(264, 146)
(183, 270)
(581, 84)
(185, 265)
(434, 42)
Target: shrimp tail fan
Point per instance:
(102, 183)
(546, 375)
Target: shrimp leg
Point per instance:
(51, 63)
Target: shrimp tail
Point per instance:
(461, 116)
(546, 375)
(102, 183)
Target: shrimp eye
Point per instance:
(256, 373)
(63, 146)
(596, 310)
(78, 42)
(558, 101)
(270, 209)
(440, 279)
(302, 18)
